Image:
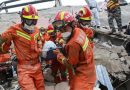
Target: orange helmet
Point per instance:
(29, 12)
(62, 18)
(85, 14)
(65, 16)
(50, 28)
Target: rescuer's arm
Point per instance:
(1, 42)
(6, 38)
(63, 60)
(72, 58)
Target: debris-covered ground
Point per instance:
(114, 58)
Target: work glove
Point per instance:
(60, 41)
(60, 56)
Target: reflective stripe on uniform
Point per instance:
(36, 36)
(2, 49)
(23, 35)
(85, 44)
(112, 4)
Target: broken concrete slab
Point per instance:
(103, 30)
(113, 59)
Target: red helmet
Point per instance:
(29, 12)
(65, 16)
(50, 28)
(85, 13)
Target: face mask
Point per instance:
(42, 32)
(29, 29)
(84, 26)
(66, 35)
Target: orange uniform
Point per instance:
(4, 57)
(80, 56)
(90, 34)
(46, 36)
(27, 47)
(5, 48)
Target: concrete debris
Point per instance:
(120, 76)
(125, 68)
(117, 49)
(115, 59)
(127, 58)
(105, 44)
(96, 40)
(124, 53)
(122, 59)
(114, 56)
(103, 30)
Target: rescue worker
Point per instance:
(79, 55)
(27, 44)
(114, 12)
(84, 18)
(95, 12)
(51, 32)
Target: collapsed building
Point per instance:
(111, 51)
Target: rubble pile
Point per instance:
(114, 58)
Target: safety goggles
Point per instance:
(58, 24)
(85, 22)
(30, 21)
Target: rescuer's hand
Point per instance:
(60, 56)
(60, 41)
